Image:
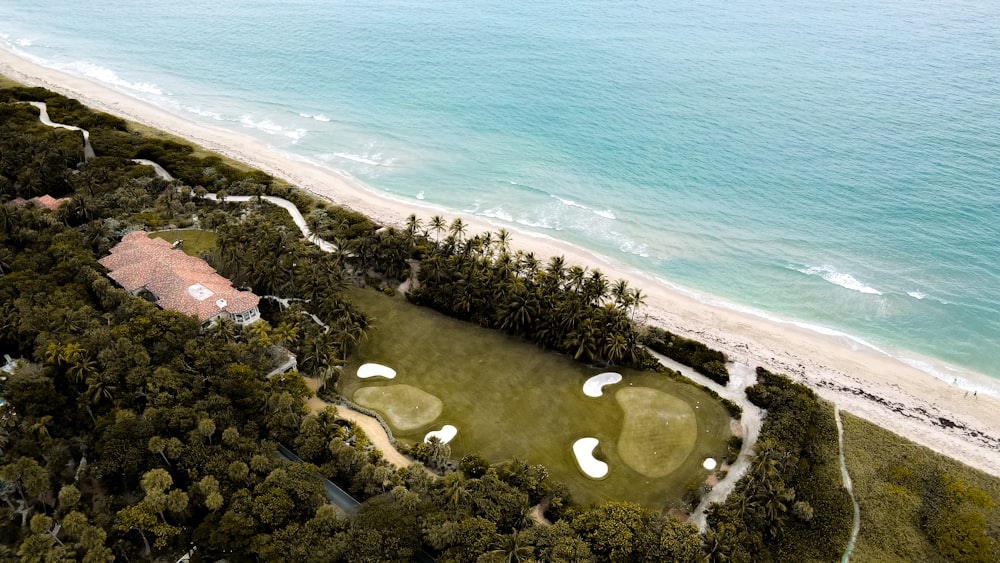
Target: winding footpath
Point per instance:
(741, 376)
(373, 429)
(160, 171)
(43, 116)
(288, 206)
(850, 490)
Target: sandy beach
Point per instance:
(859, 379)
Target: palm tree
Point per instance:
(615, 347)
(82, 368)
(100, 388)
(157, 445)
(510, 550)
(412, 226)
(576, 277)
(454, 491)
(503, 240)
(284, 332)
(437, 225)
(621, 294)
(457, 228)
(716, 546)
(327, 374)
(583, 340)
(596, 287)
(638, 298)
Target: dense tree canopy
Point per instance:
(132, 432)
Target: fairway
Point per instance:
(508, 398)
(658, 433)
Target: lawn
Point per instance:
(510, 399)
(195, 241)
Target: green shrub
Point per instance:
(704, 360)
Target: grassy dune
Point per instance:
(916, 505)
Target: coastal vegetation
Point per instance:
(790, 505)
(917, 505)
(703, 359)
(130, 432)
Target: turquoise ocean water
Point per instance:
(836, 163)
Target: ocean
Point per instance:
(835, 164)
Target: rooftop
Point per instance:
(180, 282)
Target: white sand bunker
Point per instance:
(592, 467)
(592, 387)
(376, 370)
(446, 434)
(709, 463)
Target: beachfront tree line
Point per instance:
(556, 305)
(129, 432)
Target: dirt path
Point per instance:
(288, 206)
(43, 116)
(850, 490)
(741, 376)
(372, 428)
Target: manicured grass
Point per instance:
(509, 399)
(659, 431)
(405, 407)
(195, 242)
(892, 477)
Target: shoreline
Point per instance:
(857, 377)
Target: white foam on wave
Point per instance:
(855, 341)
(23, 42)
(547, 223)
(272, 128)
(637, 248)
(497, 213)
(107, 76)
(605, 213)
(420, 194)
(316, 116)
(916, 294)
(830, 274)
(363, 159)
(198, 110)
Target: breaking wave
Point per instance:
(830, 274)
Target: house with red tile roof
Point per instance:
(46, 201)
(177, 281)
